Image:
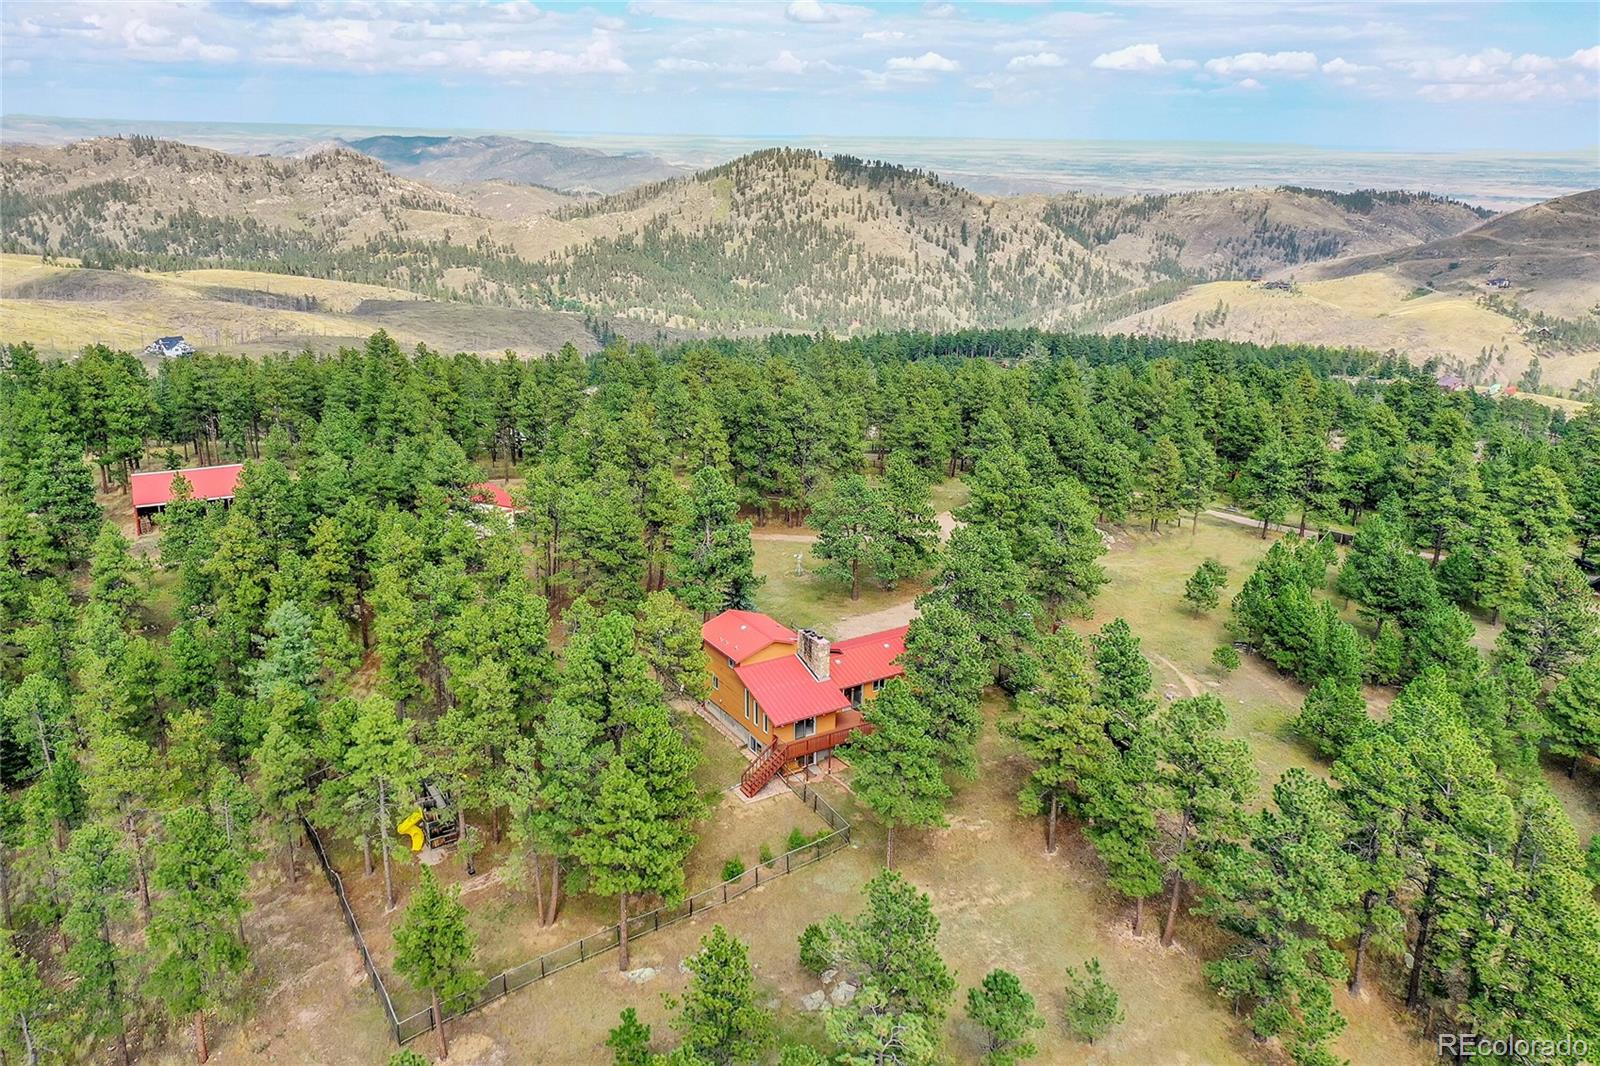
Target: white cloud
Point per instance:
(1494, 74)
(786, 62)
(1133, 57)
(1036, 61)
(1586, 59)
(1341, 67)
(809, 11)
(1248, 63)
(1249, 84)
(883, 35)
(926, 62)
(676, 65)
(17, 66)
(939, 11)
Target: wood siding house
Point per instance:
(792, 695)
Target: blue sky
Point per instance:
(1434, 76)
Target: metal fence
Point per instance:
(374, 978)
(423, 1021)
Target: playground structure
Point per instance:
(433, 824)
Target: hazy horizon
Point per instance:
(1500, 179)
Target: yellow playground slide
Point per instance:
(412, 827)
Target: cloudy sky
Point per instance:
(1435, 76)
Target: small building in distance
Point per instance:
(168, 348)
(793, 696)
(1499, 283)
(1451, 383)
(152, 489)
(1278, 286)
(488, 494)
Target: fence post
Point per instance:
(786, 857)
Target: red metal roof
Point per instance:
(489, 492)
(154, 488)
(786, 690)
(740, 634)
(870, 658)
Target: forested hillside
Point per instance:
(777, 239)
(356, 622)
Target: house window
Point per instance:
(747, 705)
(716, 682)
(877, 687)
(853, 694)
(731, 664)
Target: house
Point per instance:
(1451, 383)
(488, 494)
(1499, 283)
(793, 695)
(152, 490)
(168, 347)
(1278, 286)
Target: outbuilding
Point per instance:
(152, 490)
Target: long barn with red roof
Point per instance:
(792, 694)
(152, 490)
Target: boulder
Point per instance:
(842, 993)
(813, 1001)
(828, 976)
(641, 975)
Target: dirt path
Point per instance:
(792, 538)
(1188, 682)
(897, 614)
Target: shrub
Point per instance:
(733, 868)
(816, 948)
(1226, 658)
(766, 856)
(1092, 1007)
(798, 838)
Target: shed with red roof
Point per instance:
(152, 490)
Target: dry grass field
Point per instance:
(61, 308)
(1374, 310)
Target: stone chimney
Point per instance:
(813, 651)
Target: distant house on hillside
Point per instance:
(168, 348)
(152, 489)
(1499, 283)
(1451, 383)
(793, 696)
(1278, 286)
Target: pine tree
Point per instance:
(1573, 709)
(381, 766)
(282, 763)
(1162, 486)
(1061, 730)
(891, 952)
(1203, 591)
(1004, 1010)
(1064, 551)
(630, 1041)
(897, 765)
(194, 933)
(29, 1024)
(1093, 1008)
(1552, 624)
(944, 672)
(910, 528)
(96, 881)
(630, 848)
(434, 950)
(851, 523)
(719, 1017)
(1333, 715)
(980, 578)
(669, 639)
(1287, 896)
(1204, 781)
(713, 561)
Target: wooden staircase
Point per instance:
(775, 756)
